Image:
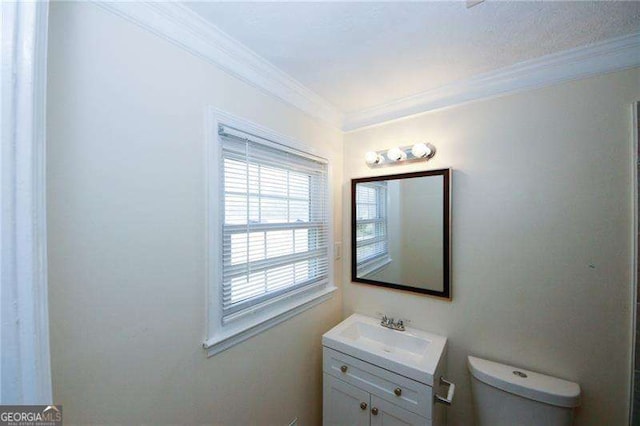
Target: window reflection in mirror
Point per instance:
(371, 227)
(401, 231)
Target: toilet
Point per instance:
(510, 396)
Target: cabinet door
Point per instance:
(384, 413)
(344, 404)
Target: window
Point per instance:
(270, 238)
(371, 227)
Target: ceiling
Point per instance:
(359, 55)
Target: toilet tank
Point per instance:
(506, 396)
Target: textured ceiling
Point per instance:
(360, 55)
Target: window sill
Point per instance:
(224, 339)
(374, 266)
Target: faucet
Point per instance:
(392, 324)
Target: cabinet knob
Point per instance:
(374, 411)
(343, 368)
(363, 405)
(397, 391)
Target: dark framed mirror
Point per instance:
(401, 231)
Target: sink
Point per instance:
(389, 341)
(412, 353)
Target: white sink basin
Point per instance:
(411, 353)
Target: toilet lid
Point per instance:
(525, 383)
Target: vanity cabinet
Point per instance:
(348, 405)
(344, 404)
(356, 392)
(375, 375)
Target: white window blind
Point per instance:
(275, 228)
(371, 222)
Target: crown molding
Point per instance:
(183, 27)
(607, 56)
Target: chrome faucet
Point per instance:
(392, 324)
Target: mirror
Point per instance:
(401, 232)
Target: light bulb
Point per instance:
(372, 158)
(420, 150)
(396, 154)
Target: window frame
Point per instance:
(221, 335)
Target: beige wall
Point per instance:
(127, 244)
(542, 227)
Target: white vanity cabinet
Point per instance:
(344, 404)
(356, 392)
(348, 405)
(376, 376)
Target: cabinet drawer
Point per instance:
(399, 390)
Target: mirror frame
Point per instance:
(446, 203)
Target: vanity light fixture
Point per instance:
(421, 151)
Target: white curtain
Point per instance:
(25, 372)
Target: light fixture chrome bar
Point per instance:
(401, 154)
